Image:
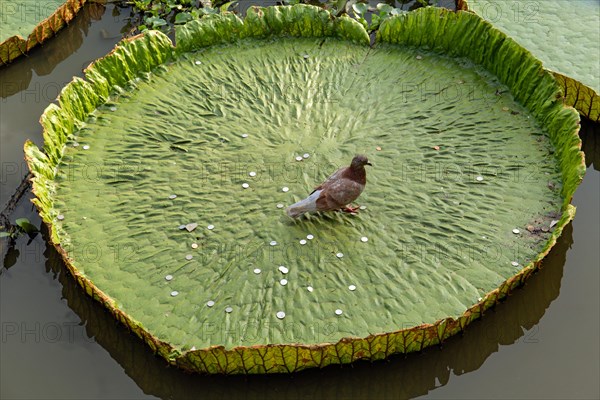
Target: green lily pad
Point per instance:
(27, 226)
(27, 23)
(469, 147)
(562, 34)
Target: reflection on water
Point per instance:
(401, 376)
(45, 58)
(590, 136)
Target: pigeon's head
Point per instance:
(359, 161)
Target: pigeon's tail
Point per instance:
(309, 204)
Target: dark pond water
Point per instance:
(56, 343)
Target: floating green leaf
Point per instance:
(27, 226)
(27, 23)
(455, 108)
(183, 17)
(562, 34)
(360, 8)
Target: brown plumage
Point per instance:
(339, 190)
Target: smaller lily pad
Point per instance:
(27, 226)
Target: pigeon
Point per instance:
(339, 190)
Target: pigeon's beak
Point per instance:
(369, 164)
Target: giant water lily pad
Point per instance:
(562, 34)
(27, 23)
(475, 162)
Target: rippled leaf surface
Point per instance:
(563, 35)
(159, 140)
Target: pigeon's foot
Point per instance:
(350, 209)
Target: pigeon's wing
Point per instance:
(338, 193)
(336, 175)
